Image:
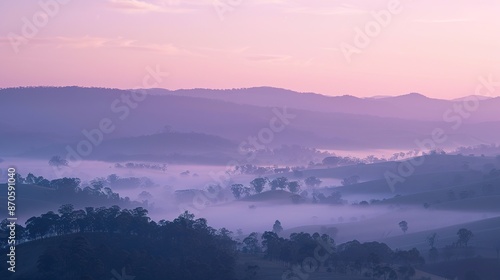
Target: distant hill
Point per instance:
(413, 106)
(64, 116)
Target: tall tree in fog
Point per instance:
(433, 251)
(251, 243)
(404, 226)
(277, 228)
(464, 236)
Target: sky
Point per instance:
(361, 47)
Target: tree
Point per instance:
(350, 180)
(237, 190)
(58, 161)
(277, 228)
(294, 186)
(258, 184)
(65, 185)
(333, 161)
(431, 240)
(464, 236)
(312, 182)
(251, 243)
(404, 226)
(433, 251)
(279, 183)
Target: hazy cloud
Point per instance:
(101, 42)
(137, 6)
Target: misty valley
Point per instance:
(258, 183)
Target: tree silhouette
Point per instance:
(404, 226)
(279, 183)
(433, 251)
(258, 184)
(195, 250)
(237, 190)
(312, 182)
(350, 180)
(251, 243)
(277, 228)
(293, 186)
(464, 236)
(58, 161)
(186, 248)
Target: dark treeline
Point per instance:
(71, 190)
(91, 243)
(371, 259)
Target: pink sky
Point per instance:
(437, 48)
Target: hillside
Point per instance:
(408, 104)
(66, 110)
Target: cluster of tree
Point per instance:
(258, 185)
(335, 161)
(291, 251)
(459, 247)
(93, 242)
(334, 198)
(68, 220)
(488, 188)
(289, 155)
(250, 169)
(70, 189)
(58, 161)
(492, 149)
(351, 180)
(370, 259)
(132, 165)
(116, 182)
